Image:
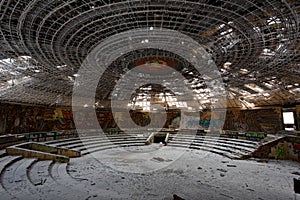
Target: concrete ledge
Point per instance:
(8, 140)
(150, 139)
(42, 152)
(282, 148)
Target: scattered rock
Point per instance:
(81, 179)
(158, 159)
(296, 173)
(199, 168)
(122, 177)
(222, 170)
(225, 161)
(262, 161)
(226, 196)
(161, 159)
(222, 175)
(41, 182)
(176, 197)
(231, 165)
(71, 170)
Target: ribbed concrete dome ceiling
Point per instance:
(255, 45)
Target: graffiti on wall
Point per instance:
(63, 119)
(22, 119)
(263, 120)
(106, 119)
(286, 150)
(189, 120)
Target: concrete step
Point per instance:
(227, 149)
(2, 153)
(67, 185)
(213, 137)
(216, 143)
(216, 139)
(105, 141)
(53, 142)
(101, 147)
(229, 152)
(54, 171)
(39, 173)
(60, 143)
(15, 179)
(4, 163)
(208, 149)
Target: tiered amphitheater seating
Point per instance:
(91, 144)
(229, 147)
(21, 177)
(15, 180)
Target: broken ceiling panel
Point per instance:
(255, 45)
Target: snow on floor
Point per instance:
(192, 175)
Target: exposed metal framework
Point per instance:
(254, 43)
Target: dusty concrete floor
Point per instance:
(191, 174)
(150, 172)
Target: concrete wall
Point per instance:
(287, 148)
(21, 119)
(268, 120)
(298, 116)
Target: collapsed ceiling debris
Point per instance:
(255, 45)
